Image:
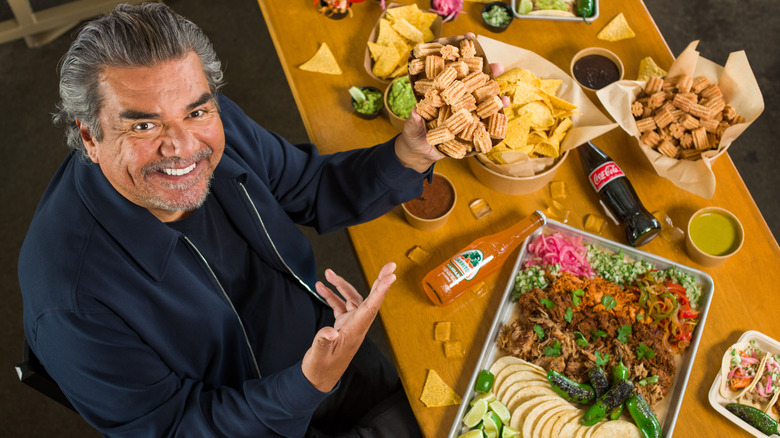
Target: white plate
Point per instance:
(765, 343)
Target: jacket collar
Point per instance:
(146, 239)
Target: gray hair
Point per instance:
(129, 36)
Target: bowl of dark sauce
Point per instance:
(594, 68)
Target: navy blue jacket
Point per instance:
(127, 317)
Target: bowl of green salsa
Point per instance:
(714, 235)
(367, 101)
(497, 16)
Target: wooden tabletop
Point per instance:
(744, 286)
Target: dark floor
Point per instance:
(34, 148)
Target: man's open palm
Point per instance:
(334, 347)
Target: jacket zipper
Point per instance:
(224, 294)
(268, 236)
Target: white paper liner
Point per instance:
(740, 90)
(591, 124)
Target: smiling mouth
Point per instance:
(179, 172)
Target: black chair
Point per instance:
(32, 373)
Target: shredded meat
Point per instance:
(591, 321)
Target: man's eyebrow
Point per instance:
(139, 115)
(205, 97)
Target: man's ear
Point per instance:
(88, 140)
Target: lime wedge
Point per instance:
(524, 7)
(491, 424)
(357, 94)
(484, 381)
(488, 396)
(473, 434)
(508, 432)
(501, 410)
(475, 414)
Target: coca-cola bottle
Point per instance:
(616, 191)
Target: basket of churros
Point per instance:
(684, 120)
(515, 149)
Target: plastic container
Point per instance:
(765, 343)
(556, 18)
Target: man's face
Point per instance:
(162, 135)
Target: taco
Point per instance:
(739, 368)
(773, 410)
(765, 386)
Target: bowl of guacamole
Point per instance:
(497, 16)
(400, 101)
(367, 101)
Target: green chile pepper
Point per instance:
(754, 417)
(607, 402)
(619, 372)
(569, 389)
(643, 416)
(598, 379)
(585, 8)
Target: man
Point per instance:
(166, 286)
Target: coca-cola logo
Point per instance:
(603, 174)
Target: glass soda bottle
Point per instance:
(478, 260)
(616, 191)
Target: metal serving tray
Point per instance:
(554, 18)
(490, 352)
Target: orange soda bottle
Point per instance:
(477, 261)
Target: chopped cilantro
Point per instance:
(644, 351)
(547, 303)
(579, 338)
(554, 350)
(602, 360)
(623, 333)
(640, 317)
(608, 301)
(576, 297)
(568, 315)
(539, 332)
(649, 380)
(599, 334)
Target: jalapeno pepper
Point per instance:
(598, 379)
(619, 372)
(643, 416)
(569, 389)
(585, 8)
(611, 399)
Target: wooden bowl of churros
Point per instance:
(457, 96)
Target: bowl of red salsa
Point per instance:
(431, 210)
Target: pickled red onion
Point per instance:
(449, 9)
(749, 360)
(557, 249)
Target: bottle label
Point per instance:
(466, 264)
(603, 174)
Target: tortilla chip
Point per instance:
(407, 30)
(648, 68)
(559, 103)
(375, 50)
(387, 62)
(386, 34)
(541, 115)
(519, 75)
(436, 393)
(616, 30)
(524, 93)
(550, 86)
(322, 62)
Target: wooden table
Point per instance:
(744, 286)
